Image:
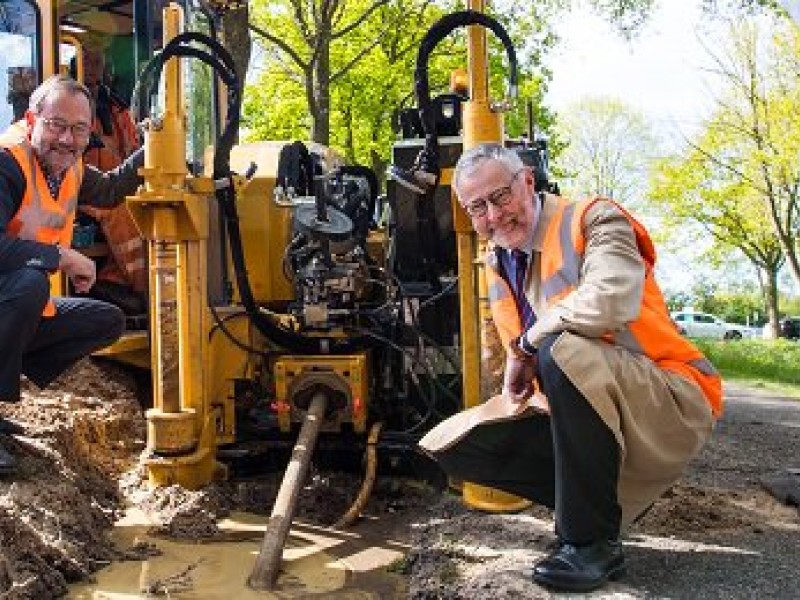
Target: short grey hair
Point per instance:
(52, 85)
(473, 158)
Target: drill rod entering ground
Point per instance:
(265, 571)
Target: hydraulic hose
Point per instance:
(438, 31)
(428, 159)
(354, 512)
(222, 62)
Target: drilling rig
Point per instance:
(285, 308)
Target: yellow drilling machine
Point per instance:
(290, 300)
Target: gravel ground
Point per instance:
(718, 534)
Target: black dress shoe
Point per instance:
(120, 295)
(10, 427)
(581, 568)
(8, 464)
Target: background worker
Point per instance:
(629, 400)
(42, 181)
(122, 277)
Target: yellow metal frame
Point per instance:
(481, 124)
(351, 370)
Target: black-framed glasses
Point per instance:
(59, 127)
(499, 197)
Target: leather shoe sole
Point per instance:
(581, 569)
(8, 464)
(10, 427)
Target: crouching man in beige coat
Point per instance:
(629, 401)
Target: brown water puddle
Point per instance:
(316, 562)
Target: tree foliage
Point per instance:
(739, 178)
(609, 150)
(759, 123)
(347, 65)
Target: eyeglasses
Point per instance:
(59, 127)
(500, 197)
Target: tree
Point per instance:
(759, 122)
(697, 189)
(328, 50)
(609, 150)
(303, 35)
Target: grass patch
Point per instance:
(769, 364)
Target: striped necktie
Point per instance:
(519, 267)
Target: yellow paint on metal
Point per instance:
(175, 223)
(192, 470)
(491, 499)
(481, 124)
(229, 361)
(349, 374)
(265, 227)
(133, 348)
(170, 433)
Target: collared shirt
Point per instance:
(53, 184)
(533, 243)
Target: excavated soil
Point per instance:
(718, 534)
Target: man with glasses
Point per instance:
(122, 275)
(609, 401)
(42, 181)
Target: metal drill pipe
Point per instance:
(265, 571)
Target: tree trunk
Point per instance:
(769, 280)
(321, 122)
(790, 245)
(237, 41)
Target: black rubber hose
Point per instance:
(222, 62)
(372, 181)
(440, 30)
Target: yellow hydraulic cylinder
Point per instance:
(481, 124)
(174, 221)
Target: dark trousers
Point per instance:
(567, 461)
(42, 348)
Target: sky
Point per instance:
(660, 72)
(663, 72)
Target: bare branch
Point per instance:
(361, 18)
(280, 44)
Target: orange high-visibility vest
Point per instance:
(41, 217)
(122, 236)
(118, 146)
(652, 333)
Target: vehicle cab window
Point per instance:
(19, 60)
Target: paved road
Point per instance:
(758, 437)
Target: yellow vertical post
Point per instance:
(181, 434)
(481, 124)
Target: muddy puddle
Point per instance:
(317, 561)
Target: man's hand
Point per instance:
(519, 375)
(80, 269)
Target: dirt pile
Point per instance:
(717, 534)
(55, 514)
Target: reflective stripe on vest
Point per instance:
(652, 333)
(501, 302)
(40, 217)
(567, 276)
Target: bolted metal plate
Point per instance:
(338, 226)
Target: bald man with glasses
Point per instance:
(42, 182)
(603, 402)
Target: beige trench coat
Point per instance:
(659, 418)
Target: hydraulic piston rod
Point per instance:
(265, 571)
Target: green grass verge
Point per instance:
(767, 364)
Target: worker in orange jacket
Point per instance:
(122, 278)
(42, 182)
(627, 400)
